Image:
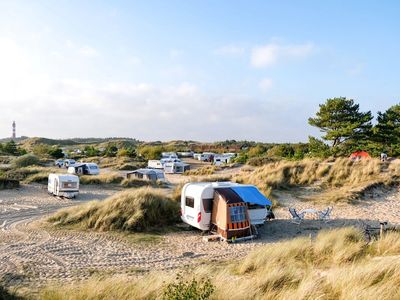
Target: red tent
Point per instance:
(359, 155)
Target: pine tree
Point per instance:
(387, 130)
(341, 121)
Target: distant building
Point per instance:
(14, 130)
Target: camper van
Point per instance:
(84, 169)
(176, 167)
(197, 200)
(63, 185)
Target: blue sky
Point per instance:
(202, 70)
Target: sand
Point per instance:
(32, 256)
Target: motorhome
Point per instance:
(63, 185)
(147, 174)
(197, 200)
(84, 169)
(176, 167)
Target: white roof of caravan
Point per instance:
(213, 184)
(65, 176)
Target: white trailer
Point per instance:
(155, 164)
(63, 185)
(176, 167)
(84, 169)
(171, 155)
(197, 201)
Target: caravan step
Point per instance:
(213, 237)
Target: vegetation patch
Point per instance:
(343, 180)
(206, 170)
(6, 183)
(137, 210)
(106, 178)
(25, 161)
(137, 182)
(301, 268)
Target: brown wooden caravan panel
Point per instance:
(224, 198)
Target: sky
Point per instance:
(206, 70)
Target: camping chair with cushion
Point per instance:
(325, 214)
(297, 218)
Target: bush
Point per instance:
(136, 182)
(25, 161)
(184, 289)
(143, 209)
(8, 183)
(107, 178)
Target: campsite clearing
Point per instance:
(32, 255)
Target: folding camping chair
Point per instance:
(325, 214)
(297, 218)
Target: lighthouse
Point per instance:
(14, 130)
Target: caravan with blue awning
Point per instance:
(199, 201)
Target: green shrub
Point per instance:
(188, 289)
(25, 161)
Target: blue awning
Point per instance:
(251, 194)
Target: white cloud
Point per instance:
(265, 84)
(70, 108)
(229, 50)
(88, 51)
(267, 55)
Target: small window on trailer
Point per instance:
(189, 201)
(207, 204)
(238, 214)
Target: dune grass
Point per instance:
(137, 182)
(105, 178)
(341, 181)
(205, 170)
(337, 264)
(133, 210)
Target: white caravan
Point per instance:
(221, 159)
(147, 174)
(84, 169)
(197, 200)
(176, 167)
(170, 155)
(155, 164)
(63, 185)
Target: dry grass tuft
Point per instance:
(338, 264)
(105, 178)
(141, 209)
(206, 170)
(342, 180)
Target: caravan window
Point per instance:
(189, 201)
(238, 214)
(207, 204)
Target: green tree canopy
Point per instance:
(387, 130)
(341, 120)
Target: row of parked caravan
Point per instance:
(67, 185)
